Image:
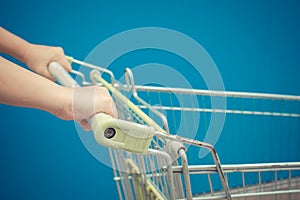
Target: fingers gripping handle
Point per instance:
(108, 131)
(61, 75)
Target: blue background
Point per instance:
(255, 45)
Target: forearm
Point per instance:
(12, 45)
(21, 87)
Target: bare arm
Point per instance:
(12, 45)
(21, 87)
(36, 57)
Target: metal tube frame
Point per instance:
(216, 159)
(205, 169)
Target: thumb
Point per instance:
(84, 124)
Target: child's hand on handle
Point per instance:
(21, 87)
(83, 102)
(38, 57)
(88, 101)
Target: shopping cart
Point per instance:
(149, 162)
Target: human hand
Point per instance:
(84, 102)
(38, 57)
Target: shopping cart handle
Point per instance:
(121, 134)
(108, 131)
(61, 75)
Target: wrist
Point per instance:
(61, 102)
(12, 44)
(25, 53)
(65, 109)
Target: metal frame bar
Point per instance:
(206, 146)
(205, 169)
(220, 93)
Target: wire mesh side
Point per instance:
(257, 181)
(258, 128)
(141, 176)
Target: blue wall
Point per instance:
(255, 45)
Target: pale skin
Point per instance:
(21, 87)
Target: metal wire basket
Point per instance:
(172, 169)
